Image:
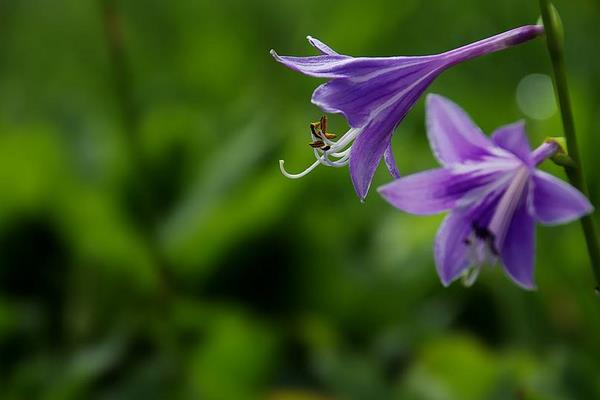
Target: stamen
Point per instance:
(342, 162)
(347, 138)
(301, 174)
(323, 123)
(470, 275)
(326, 151)
(314, 130)
(480, 253)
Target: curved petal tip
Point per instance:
(322, 47)
(445, 280)
(526, 284)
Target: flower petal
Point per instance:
(366, 154)
(433, 191)
(333, 65)
(518, 250)
(323, 66)
(556, 202)
(450, 249)
(374, 86)
(453, 136)
(370, 145)
(495, 43)
(322, 47)
(514, 139)
(390, 161)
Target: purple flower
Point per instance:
(375, 94)
(494, 193)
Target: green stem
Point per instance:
(555, 40)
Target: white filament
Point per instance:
(337, 156)
(301, 174)
(470, 275)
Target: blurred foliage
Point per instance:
(150, 248)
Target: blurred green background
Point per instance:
(151, 249)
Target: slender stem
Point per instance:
(554, 39)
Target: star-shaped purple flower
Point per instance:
(375, 94)
(493, 191)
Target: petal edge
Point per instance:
(556, 202)
(452, 135)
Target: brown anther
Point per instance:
(314, 128)
(325, 148)
(317, 144)
(319, 130)
(323, 123)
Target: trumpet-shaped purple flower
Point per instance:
(375, 94)
(494, 193)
